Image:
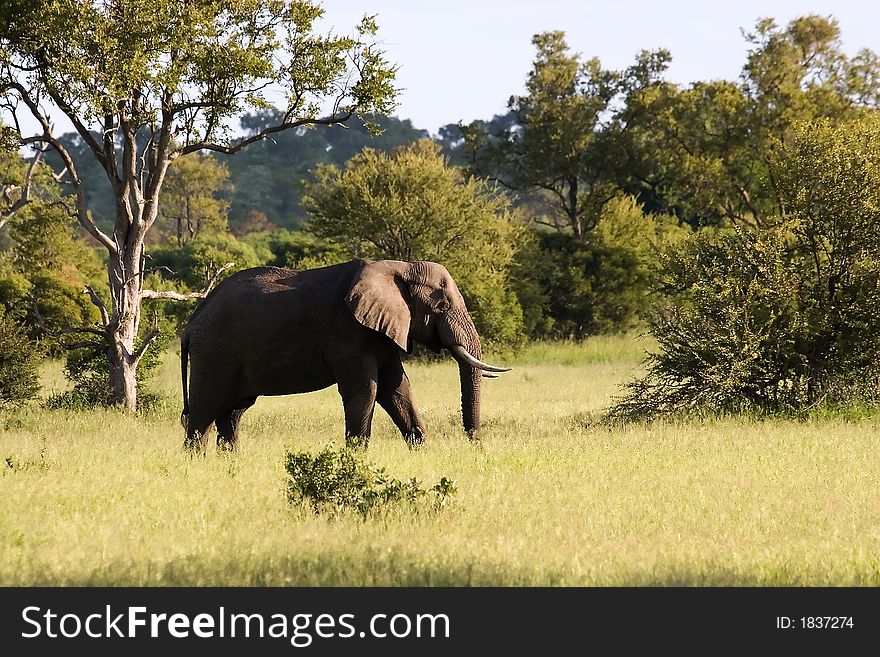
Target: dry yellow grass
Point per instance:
(548, 497)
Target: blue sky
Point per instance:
(462, 60)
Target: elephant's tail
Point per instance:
(184, 361)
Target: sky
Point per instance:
(461, 60)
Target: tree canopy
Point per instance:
(411, 205)
(144, 83)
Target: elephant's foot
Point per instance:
(225, 445)
(415, 439)
(357, 442)
(194, 445)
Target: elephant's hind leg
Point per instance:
(196, 435)
(227, 425)
(395, 396)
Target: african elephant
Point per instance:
(273, 331)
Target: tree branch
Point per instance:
(47, 137)
(149, 338)
(96, 301)
(170, 294)
(84, 345)
(21, 201)
(80, 329)
(177, 296)
(41, 323)
(229, 150)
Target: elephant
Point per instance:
(275, 331)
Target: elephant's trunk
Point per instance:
(471, 380)
(460, 336)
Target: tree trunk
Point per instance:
(574, 213)
(123, 380)
(126, 280)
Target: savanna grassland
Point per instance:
(549, 497)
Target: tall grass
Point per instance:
(547, 497)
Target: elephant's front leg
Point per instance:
(358, 399)
(395, 396)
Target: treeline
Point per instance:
(589, 207)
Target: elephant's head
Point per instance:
(420, 301)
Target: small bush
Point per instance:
(338, 481)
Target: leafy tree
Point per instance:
(268, 178)
(44, 266)
(784, 317)
(601, 286)
(704, 152)
(691, 152)
(557, 140)
(191, 205)
(411, 205)
(147, 83)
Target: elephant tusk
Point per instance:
(489, 375)
(464, 355)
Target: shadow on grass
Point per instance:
(397, 569)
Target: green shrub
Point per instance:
(338, 481)
(787, 317)
(18, 363)
(296, 250)
(574, 289)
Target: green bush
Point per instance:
(18, 363)
(43, 273)
(602, 285)
(296, 250)
(338, 481)
(787, 317)
(190, 266)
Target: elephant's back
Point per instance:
(256, 284)
(262, 300)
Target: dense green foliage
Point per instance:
(785, 317)
(338, 481)
(44, 264)
(411, 205)
(602, 285)
(19, 360)
(43, 272)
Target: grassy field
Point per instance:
(547, 498)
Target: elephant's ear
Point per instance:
(377, 300)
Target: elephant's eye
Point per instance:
(443, 306)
